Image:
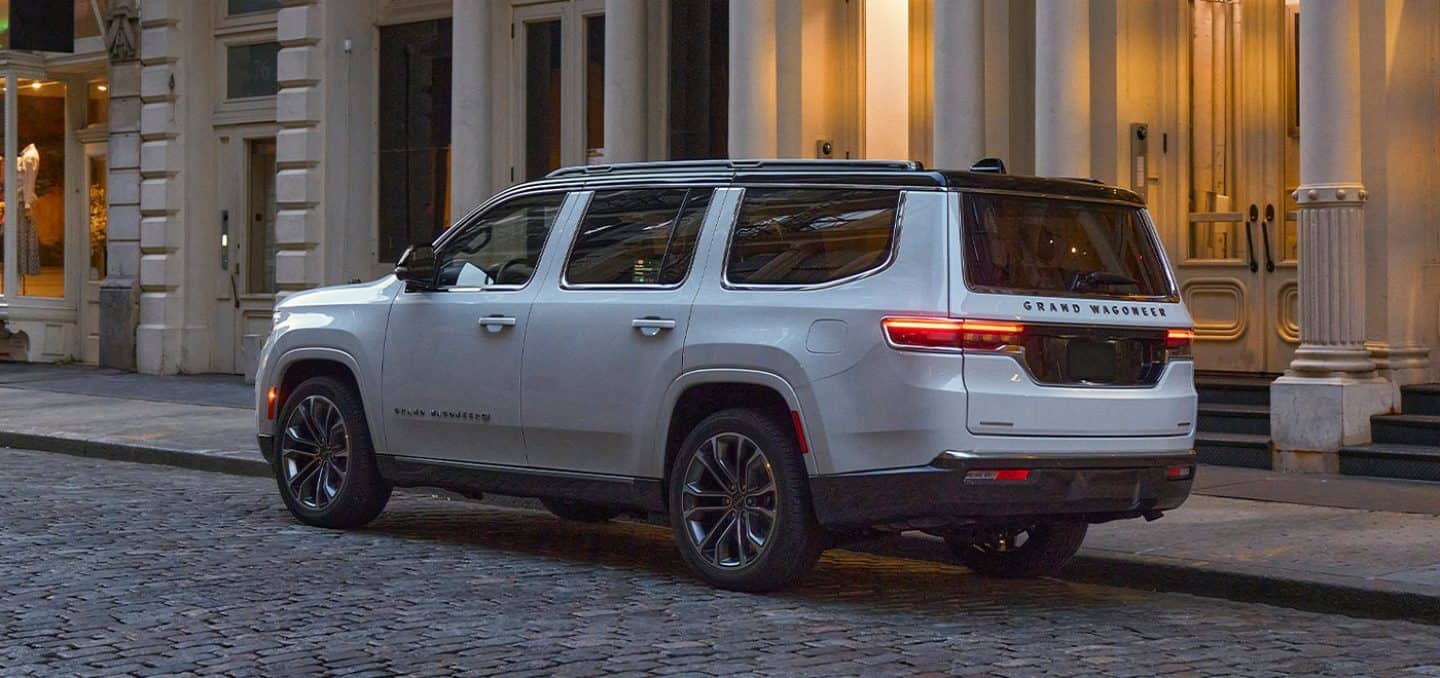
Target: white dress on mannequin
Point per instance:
(28, 240)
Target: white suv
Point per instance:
(773, 354)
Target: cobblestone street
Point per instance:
(112, 567)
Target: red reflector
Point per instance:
(799, 432)
(1179, 472)
(270, 398)
(951, 333)
(1011, 474)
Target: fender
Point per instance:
(814, 429)
(280, 365)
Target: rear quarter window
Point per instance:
(1035, 245)
(806, 236)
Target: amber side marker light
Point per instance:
(271, 398)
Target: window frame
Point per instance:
(895, 234)
(448, 236)
(965, 196)
(565, 283)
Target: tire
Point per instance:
(1045, 549)
(704, 495)
(306, 482)
(580, 512)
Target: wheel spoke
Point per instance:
(723, 479)
(300, 477)
(742, 525)
(694, 510)
(691, 490)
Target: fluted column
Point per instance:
(752, 79)
(1331, 196)
(959, 119)
(470, 112)
(1325, 400)
(1062, 88)
(626, 102)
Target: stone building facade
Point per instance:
(253, 148)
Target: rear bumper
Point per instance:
(1094, 488)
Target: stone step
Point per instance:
(1420, 399)
(1233, 390)
(1405, 429)
(1233, 449)
(1389, 460)
(1223, 418)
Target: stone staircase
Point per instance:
(1234, 420)
(1404, 445)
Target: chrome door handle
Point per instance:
(652, 326)
(495, 323)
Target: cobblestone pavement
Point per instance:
(109, 567)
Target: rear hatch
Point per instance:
(1091, 338)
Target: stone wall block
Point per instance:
(297, 227)
(298, 105)
(160, 271)
(124, 257)
(160, 43)
(161, 156)
(124, 151)
(161, 196)
(159, 233)
(298, 65)
(298, 146)
(155, 82)
(157, 119)
(297, 269)
(124, 190)
(300, 24)
(299, 186)
(124, 113)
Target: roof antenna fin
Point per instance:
(990, 165)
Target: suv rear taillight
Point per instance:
(951, 333)
(1178, 343)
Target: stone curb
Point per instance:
(1380, 600)
(199, 460)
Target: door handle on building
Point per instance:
(652, 326)
(1249, 236)
(495, 323)
(1265, 234)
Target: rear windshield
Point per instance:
(1020, 244)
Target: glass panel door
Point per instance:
(542, 97)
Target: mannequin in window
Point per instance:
(27, 239)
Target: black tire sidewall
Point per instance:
(797, 540)
(364, 493)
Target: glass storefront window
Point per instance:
(4, 219)
(39, 213)
(97, 103)
(88, 15)
(99, 222)
(594, 82)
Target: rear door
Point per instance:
(1090, 338)
(605, 338)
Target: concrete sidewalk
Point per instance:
(1360, 546)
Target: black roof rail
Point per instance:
(737, 165)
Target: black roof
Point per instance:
(848, 172)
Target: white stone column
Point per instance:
(752, 79)
(1062, 88)
(299, 109)
(471, 116)
(959, 120)
(119, 292)
(1326, 398)
(163, 221)
(626, 98)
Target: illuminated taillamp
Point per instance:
(951, 333)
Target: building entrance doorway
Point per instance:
(246, 285)
(1237, 265)
(558, 86)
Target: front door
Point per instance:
(245, 281)
(1237, 267)
(605, 340)
(558, 90)
(96, 226)
(450, 379)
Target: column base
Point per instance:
(119, 315)
(1311, 418)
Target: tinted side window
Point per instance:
(806, 236)
(503, 246)
(637, 237)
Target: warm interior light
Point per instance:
(36, 85)
(951, 333)
(102, 88)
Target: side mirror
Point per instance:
(417, 267)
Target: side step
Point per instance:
(1391, 460)
(1234, 449)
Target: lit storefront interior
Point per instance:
(53, 215)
